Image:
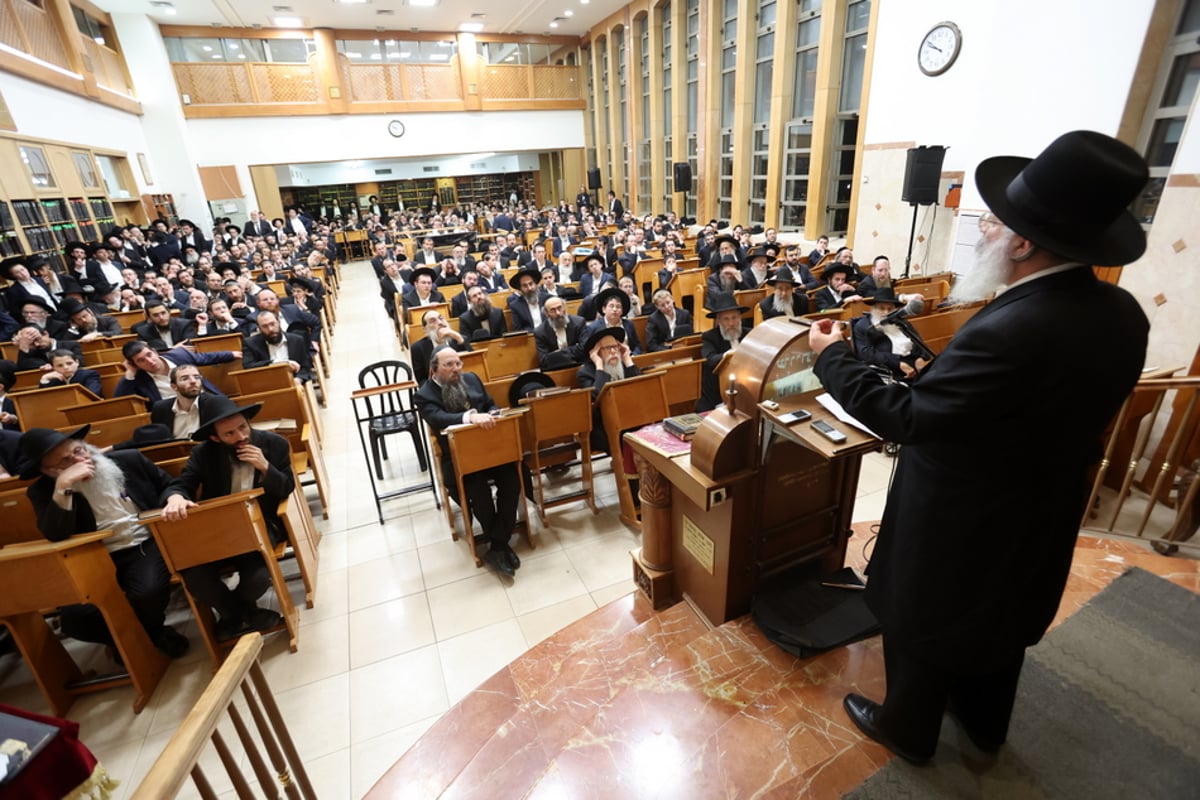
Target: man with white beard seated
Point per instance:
(609, 359)
(724, 336)
(80, 490)
(784, 300)
(438, 332)
(885, 346)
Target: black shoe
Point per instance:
(263, 619)
(863, 713)
(982, 744)
(514, 560)
(170, 642)
(497, 559)
(228, 628)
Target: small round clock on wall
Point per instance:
(939, 48)
(396, 128)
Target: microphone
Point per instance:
(912, 308)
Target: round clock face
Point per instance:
(939, 48)
(396, 128)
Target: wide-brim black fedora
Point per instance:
(1073, 198)
(783, 275)
(832, 269)
(598, 333)
(219, 408)
(419, 271)
(608, 294)
(147, 436)
(884, 295)
(724, 301)
(527, 382)
(532, 272)
(35, 443)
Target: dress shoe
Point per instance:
(514, 560)
(263, 619)
(170, 642)
(864, 713)
(499, 562)
(228, 628)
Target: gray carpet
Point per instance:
(1108, 707)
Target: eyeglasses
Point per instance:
(988, 220)
(77, 452)
(610, 347)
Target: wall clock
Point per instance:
(396, 128)
(939, 48)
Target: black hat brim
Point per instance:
(608, 294)
(515, 283)
(33, 467)
(206, 430)
(525, 382)
(419, 271)
(600, 333)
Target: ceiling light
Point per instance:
(440, 57)
(405, 54)
(216, 55)
(163, 6)
(282, 9)
(242, 56)
(568, 13)
(422, 3)
(233, 45)
(471, 27)
(287, 22)
(553, 24)
(206, 49)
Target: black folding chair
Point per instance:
(388, 413)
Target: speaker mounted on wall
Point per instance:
(594, 178)
(683, 176)
(922, 174)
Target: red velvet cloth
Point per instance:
(57, 770)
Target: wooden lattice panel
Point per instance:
(432, 82)
(285, 83)
(372, 82)
(556, 83)
(109, 69)
(40, 33)
(211, 84)
(505, 82)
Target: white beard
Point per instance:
(108, 481)
(783, 305)
(992, 270)
(615, 369)
(732, 337)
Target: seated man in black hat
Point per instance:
(608, 359)
(557, 338)
(453, 397)
(727, 277)
(438, 333)
(421, 291)
(715, 255)
(837, 290)
(65, 369)
(304, 294)
(885, 346)
(526, 301)
(37, 311)
(80, 490)
(232, 457)
(148, 373)
(667, 323)
(272, 346)
(481, 320)
(86, 324)
(784, 300)
(612, 305)
(715, 342)
(35, 344)
(8, 409)
(761, 259)
(161, 330)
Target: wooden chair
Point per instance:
(472, 449)
(751, 298)
(93, 346)
(28, 380)
(682, 382)
(42, 408)
(100, 410)
(701, 322)
(511, 355)
(263, 379)
(40, 575)
(217, 529)
(625, 405)
(218, 374)
(938, 329)
(566, 378)
(20, 519)
(682, 287)
(283, 404)
(303, 537)
(550, 424)
(180, 757)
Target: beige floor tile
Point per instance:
(389, 629)
(317, 734)
(468, 604)
(330, 775)
(537, 625)
(384, 579)
(869, 506)
(446, 561)
(605, 560)
(332, 598)
(95, 713)
(177, 692)
(396, 692)
(324, 652)
(543, 581)
(472, 658)
(370, 759)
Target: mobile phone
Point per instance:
(795, 416)
(829, 432)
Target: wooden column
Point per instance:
(469, 70)
(328, 76)
(743, 111)
(782, 89)
(825, 109)
(860, 141)
(68, 33)
(655, 125)
(652, 567)
(708, 112)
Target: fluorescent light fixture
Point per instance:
(233, 45)
(405, 54)
(242, 56)
(553, 24)
(216, 55)
(206, 49)
(375, 56)
(422, 3)
(471, 27)
(353, 55)
(440, 57)
(568, 13)
(287, 22)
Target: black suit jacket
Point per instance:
(547, 340)
(522, 317)
(261, 228)
(429, 405)
(256, 353)
(163, 413)
(409, 298)
(589, 377)
(35, 359)
(105, 326)
(87, 378)
(145, 483)
(209, 474)
(799, 305)
(468, 324)
(658, 331)
(970, 565)
(422, 351)
(181, 330)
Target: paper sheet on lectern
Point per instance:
(835, 408)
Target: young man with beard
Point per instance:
(715, 342)
(886, 347)
(837, 290)
(218, 320)
(784, 300)
(481, 320)
(458, 303)
(148, 373)
(452, 397)
(667, 323)
(181, 414)
(79, 490)
(232, 457)
(526, 302)
(162, 331)
(557, 338)
(272, 346)
(970, 563)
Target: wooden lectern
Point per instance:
(39, 575)
(756, 495)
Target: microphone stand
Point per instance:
(912, 234)
(920, 349)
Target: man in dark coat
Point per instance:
(667, 323)
(438, 333)
(232, 457)
(161, 330)
(786, 298)
(79, 490)
(86, 324)
(148, 373)
(715, 342)
(557, 338)
(35, 344)
(270, 345)
(481, 320)
(181, 414)
(981, 520)
(65, 369)
(526, 301)
(886, 347)
(837, 290)
(453, 397)
(606, 357)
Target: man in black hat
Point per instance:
(606, 358)
(86, 324)
(79, 490)
(82, 269)
(453, 397)
(232, 457)
(102, 256)
(715, 342)
(837, 290)
(759, 270)
(970, 564)
(885, 346)
(784, 300)
(721, 247)
(667, 323)
(37, 311)
(557, 338)
(421, 291)
(880, 277)
(526, 301)
(612, 305)
(190, 236)
(271, 345)
(727, 278)
(481, 320)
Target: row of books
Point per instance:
(28, 212)
(10, 245)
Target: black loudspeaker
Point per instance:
(683, 176)
(594, 179)
(922, 174)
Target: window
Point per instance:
(591, 107)
(110, 171)
(92, 28)
(87, 170)
(605, 169)
(1174, 91)
(515, 53)
(693, 99)
(398, 51)
(38, 166)
(644, 191)
(622, 93)
(668, 112)
(798, 141)
(277, 51)
(729, 29)
(854, 56)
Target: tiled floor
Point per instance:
(404, 625)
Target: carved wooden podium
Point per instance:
(755, 495)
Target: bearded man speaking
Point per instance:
(980, 523)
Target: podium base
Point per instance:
(657, 585)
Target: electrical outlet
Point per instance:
(717, 496)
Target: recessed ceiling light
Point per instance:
(440, 57)
(553, 24)
(206, 49)
(568, 13)
(287, 22)
(163, 6)
(282, 9)
(471, 27)
(422, 3)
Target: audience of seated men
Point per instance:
(525, 303)
(452, 397)
(667, 323)
(35, 346)
(557, 338)
(37, 311)
(292, 318)
(79, 489)
(724, 336)
(148, 373)
(218, 320)
(481, 320)
(232, 457)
